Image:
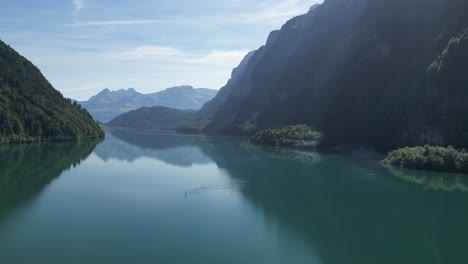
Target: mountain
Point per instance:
(107, 104)
(154, 117)
(377, 72)
(31, 109)
(176, 119)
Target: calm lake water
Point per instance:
(124, 201)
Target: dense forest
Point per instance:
(433, 158)
(287, 136)
(32, 110)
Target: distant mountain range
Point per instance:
(384, 73)
(166, 118)
(107, 104)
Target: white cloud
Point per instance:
(78, 5)
(147, 52)
(280, 11)
(261, 12)
(161, 54)
(196, 43)
(77, 92)
(114, 22)
(223, 58)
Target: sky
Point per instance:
(84, 46)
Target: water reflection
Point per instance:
(337, 209)
(27, 168)
(350, 211)
(129, 145)
(434, 181)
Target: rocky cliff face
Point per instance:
(384, 73)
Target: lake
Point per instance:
(142, 197)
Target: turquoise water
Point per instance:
(140, 197)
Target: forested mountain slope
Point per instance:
(31, 109)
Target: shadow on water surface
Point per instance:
(26, 169)
(348, 210)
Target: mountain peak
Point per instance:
(125, 92)
(312, 8)
(273, 37)
(181, 87)
(129, 90)
(108, 104)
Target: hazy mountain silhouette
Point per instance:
(107, 104)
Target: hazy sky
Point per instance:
(83, 46)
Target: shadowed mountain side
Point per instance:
(26, 169)
(208, 111)
(344, 69)
(379, 73)
(173, 149)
